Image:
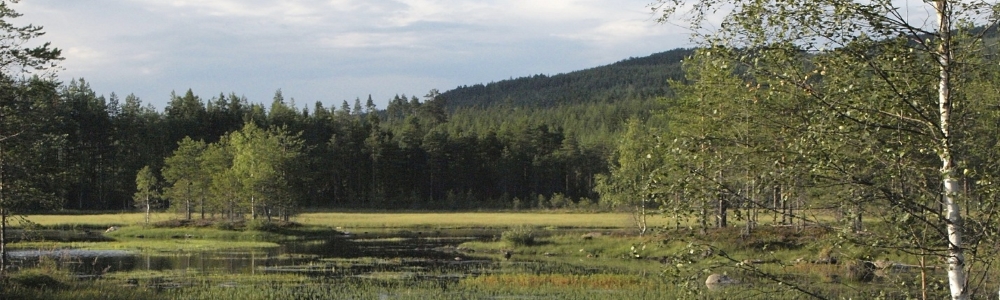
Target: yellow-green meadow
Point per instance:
(387, 220)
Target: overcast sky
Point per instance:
(336, 50)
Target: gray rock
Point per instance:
(717, 281)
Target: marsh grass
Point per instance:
(566, 259)
(415, 220)
(594, 281)
(48, 281)
(790, 255)
(97, 221)
(384, 286)
(521, 235)
(497, 220)
(166, 240)
(189, 233)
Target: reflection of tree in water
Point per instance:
(352, 256)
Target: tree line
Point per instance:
(414, 154)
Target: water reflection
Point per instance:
(347, 256)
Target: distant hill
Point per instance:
(633, 78)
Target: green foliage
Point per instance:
(146, 184)
(433, 152)
(262, 161)
(224, 225)
(519, 236)
(261, 225)
(187, 178)
(27, 144)
(858, 105)
(146, 190)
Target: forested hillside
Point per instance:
(633, 78)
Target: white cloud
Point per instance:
(361, 47)
(85, 53)
(370, 40)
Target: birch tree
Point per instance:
(261, 162)
(905, 60)
(634, 174)
(146, 190)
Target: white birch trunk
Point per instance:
(147, 210)
(956, 257)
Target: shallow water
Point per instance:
(356, 255)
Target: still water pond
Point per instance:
(358, 255)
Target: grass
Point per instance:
(98, 220)
(188, 233)
(413, 220)
(458, 220)
(594, 281)
(683, 255)
(175, 285)
(141, 238)
(148, 245)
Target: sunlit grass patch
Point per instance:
(149, 245)
(167, 240)
(470, 220)
(97, 220)
(594, 281)
(188, 233)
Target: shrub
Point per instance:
(224, 225)
(261, 225)
(559, 201)
(541, 202)
(519, 236)
(860, 270)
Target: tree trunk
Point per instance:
(721, 218)
(775, 204)
(720, 214)
(923, 277)
(3, 239)
(3, 220)
(956, 257)
(640, 217)
(704, 218)
(187, 203)
(147, 210)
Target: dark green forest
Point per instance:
(539, 147)
(633, 78)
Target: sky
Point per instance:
(336, 50)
